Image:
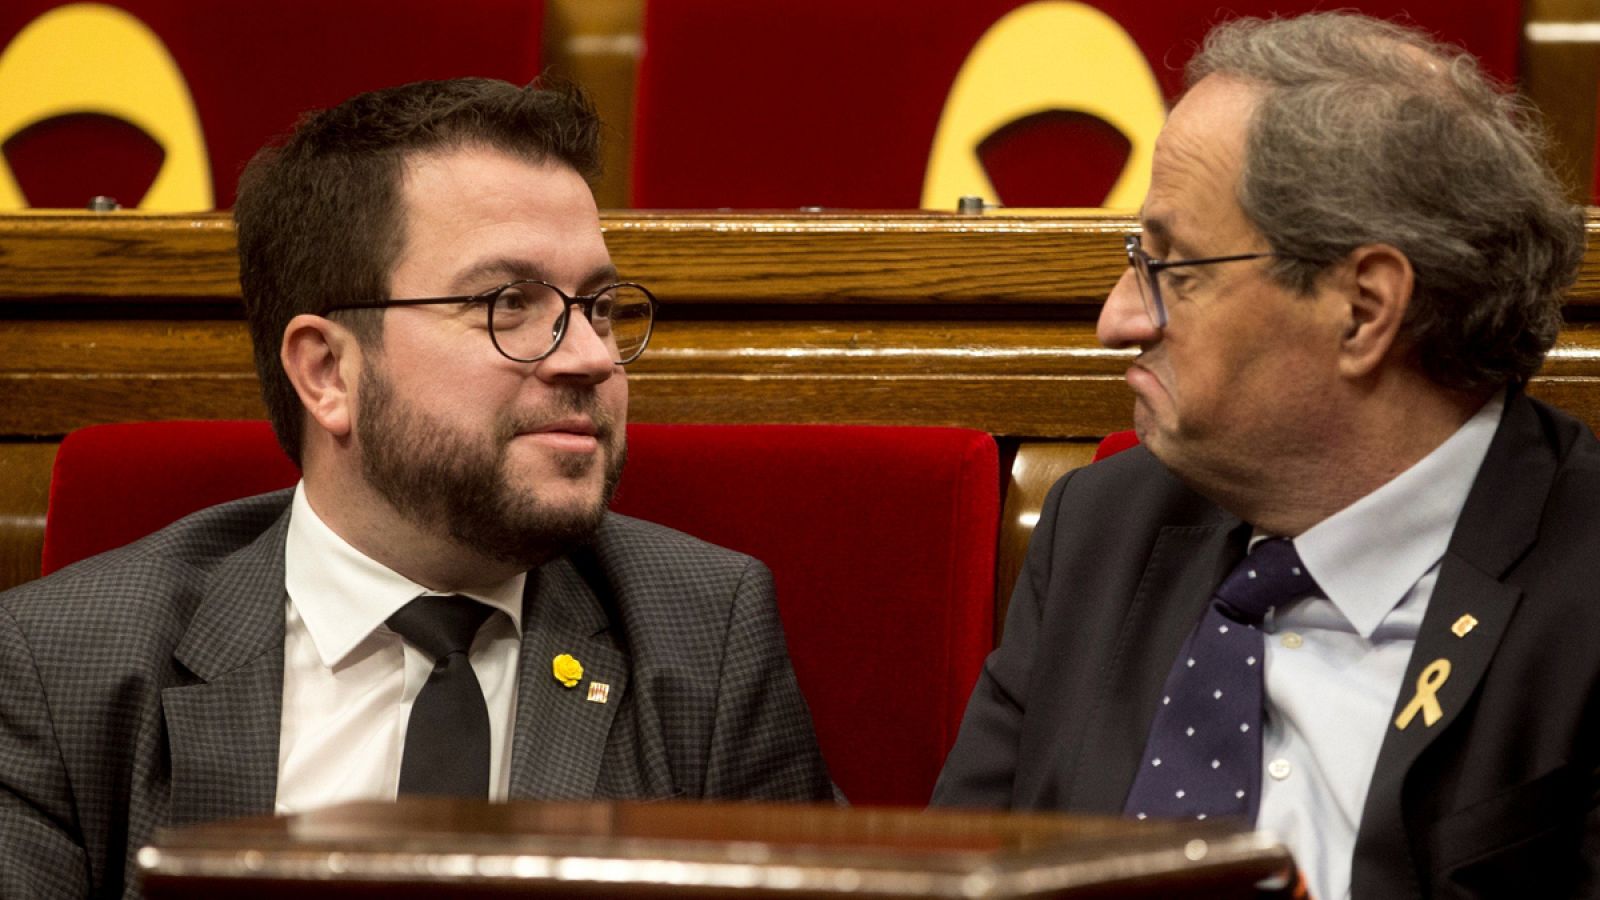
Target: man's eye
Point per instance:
(511, 300)
(1178, 280)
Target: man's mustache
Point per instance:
(569, 401)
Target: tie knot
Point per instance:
(1270, 575)
(440, 625)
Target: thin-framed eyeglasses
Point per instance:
(1147, 268)
(527, 319)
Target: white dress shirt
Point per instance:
(1335, 665)
(349, 682)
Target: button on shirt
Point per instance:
(349, 682)
(1335, 665)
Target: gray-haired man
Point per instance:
(1351, 262)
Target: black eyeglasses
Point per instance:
(1146, 268)
(528, 319)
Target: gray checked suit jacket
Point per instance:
(142, 688)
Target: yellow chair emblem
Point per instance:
(1045, 56)
(93, 58)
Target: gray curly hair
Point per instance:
(1369, 132)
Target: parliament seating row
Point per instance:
(978, 323)
(836, 103)
(722, 103)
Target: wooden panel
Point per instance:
(685, 259)
(427, 847)
(992, 262)
(121, 254)
(596, 43)
(901, 258)
(24, 497)
(57, 375)
(1035, 467)
(1560, 77)
(43, 347)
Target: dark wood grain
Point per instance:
(120, 254)
(24, 496)
(431, 847)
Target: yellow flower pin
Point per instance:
(567, 670)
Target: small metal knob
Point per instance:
(102, 203)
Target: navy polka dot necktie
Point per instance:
(447, 736)
(1203, 756)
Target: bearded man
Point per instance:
(443, 604)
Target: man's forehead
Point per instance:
(475, 216)
(1198, 158)
(479, 167)
(1210, 125)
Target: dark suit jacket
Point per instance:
(1499, 795)
(142, 688)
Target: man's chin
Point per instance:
(574, 505)
(1148, 427)
(532, 535)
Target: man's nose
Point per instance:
(582, 355)
(1123, 319)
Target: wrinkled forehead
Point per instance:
(1199, 157)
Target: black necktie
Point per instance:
(1203, 756)
(447, 736)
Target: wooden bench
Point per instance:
(911, 319)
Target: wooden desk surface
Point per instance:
(443, 846)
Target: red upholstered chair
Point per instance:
(251, 68)
(113, 484)
(881, 542)
(789, 103)
(1114, 443)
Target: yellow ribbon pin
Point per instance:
(1426, 701)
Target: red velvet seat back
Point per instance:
(1114, 443)
(881, 542)
(790, 103)
(113, 484)
(253, 67)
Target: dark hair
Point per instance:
(1370, 132)
(320, 219)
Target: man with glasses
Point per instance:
(444, 603)
(1344, 589)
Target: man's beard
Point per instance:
(450, 484)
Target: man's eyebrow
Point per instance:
(602, 277)
(1156, 231)
(490, 272)
(1159, 234)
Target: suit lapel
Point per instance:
(223, 728)
(561, 732)
(1467, 615)
(1185, 566)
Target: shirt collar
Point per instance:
(1367, 556)
(342, 595)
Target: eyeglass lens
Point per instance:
(1149, 293)
(525, 322)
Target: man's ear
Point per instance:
(322, 359)
(1377, 297)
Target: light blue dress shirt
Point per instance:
(1335, 665)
